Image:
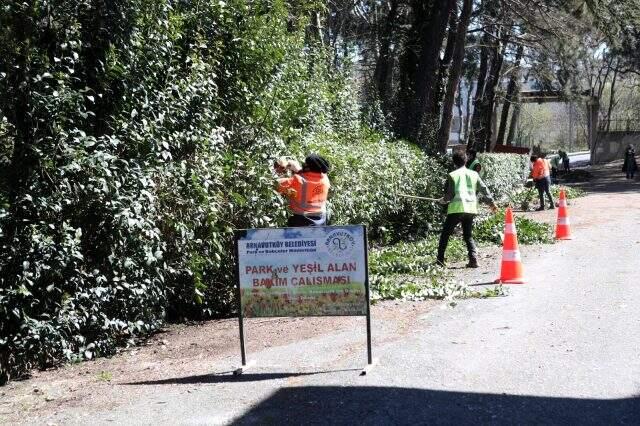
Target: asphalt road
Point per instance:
(561, 349)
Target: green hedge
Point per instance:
(175, 257)
(117, 214)
(504, 174)
(369, 177)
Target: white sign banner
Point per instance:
(308, 271)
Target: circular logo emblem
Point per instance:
(340, 243)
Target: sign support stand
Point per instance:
(243, 353)
(370, 360)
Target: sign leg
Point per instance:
(370, 360)
(369, 355)
(243, 354)
(242, 350)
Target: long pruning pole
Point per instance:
(415, 197)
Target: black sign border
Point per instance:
(241, 233)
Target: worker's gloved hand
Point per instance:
(291, 193)
(441, 201)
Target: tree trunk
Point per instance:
(445, 63)
(429, 26)
(459, 105)
(454, 76)
(384, 63)
(476, 122)
(318, 27)
(467, 117)
(490, 96)
(612, 99)
(513, 127)
(512, 90)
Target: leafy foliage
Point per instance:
(134, 139)
(408, 271)
(369, 178)
(504, 174)
(529, 231)
(525, 198)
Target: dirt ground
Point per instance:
(196, 349)
(179, 350)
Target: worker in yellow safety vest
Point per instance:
(307, 190)
(461, 194)
(542, 178)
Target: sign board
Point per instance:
(307, 271)
(312, 271)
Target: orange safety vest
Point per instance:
(540, 169)
(311, 192)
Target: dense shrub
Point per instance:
(369, 178)
(133, 141)
(140, 136)
(490, 229)
(504, 174)
(526, 199)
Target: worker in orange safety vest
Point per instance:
(307, 191)
(542, 178)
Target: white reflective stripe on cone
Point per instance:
(562, 203)
(563, 221)
(509, 228)
(511, 255)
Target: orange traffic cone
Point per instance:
(511, 268)
(563, 232)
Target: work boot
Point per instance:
(473, 263)
(440, 263)
(539, 209)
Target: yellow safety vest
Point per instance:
(465, 182)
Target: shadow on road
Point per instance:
(609, 178)
(388, 405)
(229, 377)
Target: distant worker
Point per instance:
(461, 194)
(565, 161)
(307, 190)
(472, 161)
(630, 165)
(555, 166)
(541, 177)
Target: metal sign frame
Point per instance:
(239, 234)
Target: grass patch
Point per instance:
(105, 376)
(528, 197)
(489, 292)
(570, 192)
(490, 230)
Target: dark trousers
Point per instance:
(449, 225)
(299, 220)
(542, 185)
